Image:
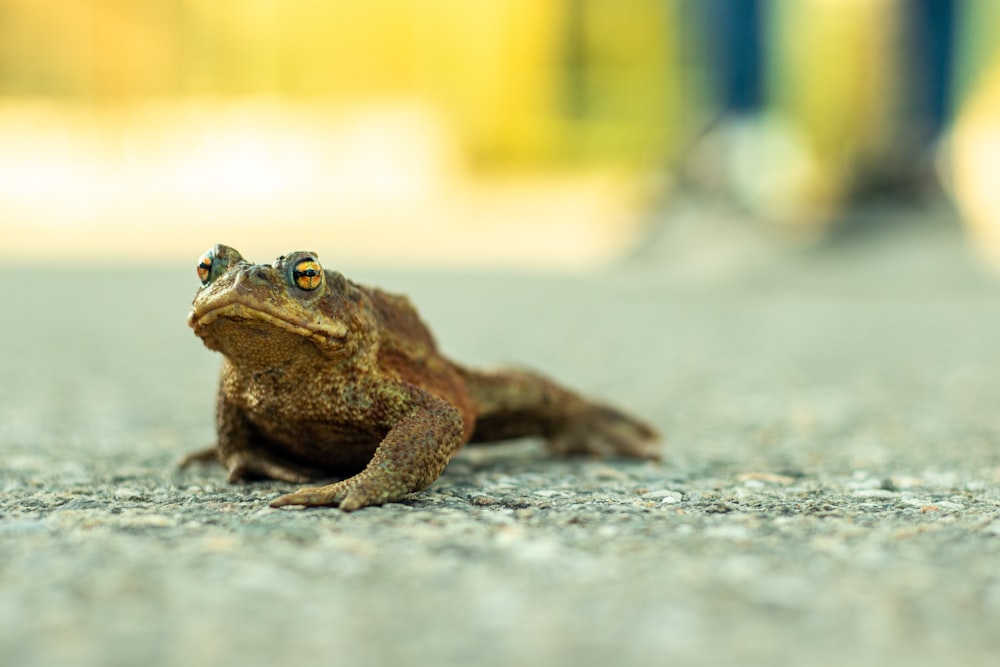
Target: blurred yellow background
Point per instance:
(495, 132)
(392, 130)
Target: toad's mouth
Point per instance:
(324, 333)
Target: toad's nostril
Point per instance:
(254, 275)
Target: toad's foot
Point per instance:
(409, 459)
(606, 432)
(349, 495)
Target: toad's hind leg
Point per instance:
(515, 403)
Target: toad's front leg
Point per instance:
(409, 459)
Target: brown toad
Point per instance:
(322, 378)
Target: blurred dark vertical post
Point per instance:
(734, 45)
(924, 106)
(930, 63)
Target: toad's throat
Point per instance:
(324, 333)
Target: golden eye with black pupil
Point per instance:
(307, 274)
(205, 267)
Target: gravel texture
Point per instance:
(830, 492)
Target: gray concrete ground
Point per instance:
(830, 492)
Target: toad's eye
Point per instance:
(205, 267)
(307, 274)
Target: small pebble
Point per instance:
(663, 494)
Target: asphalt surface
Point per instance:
(829, 495)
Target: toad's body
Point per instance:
(323, 377)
